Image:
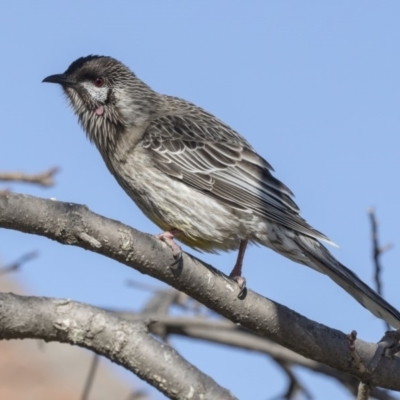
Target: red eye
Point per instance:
(99, 81)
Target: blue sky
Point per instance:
(312, 85)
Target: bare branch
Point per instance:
(137, 395)
(387, 347)
(142, 286)
(43, 179)
(229, 334)
(64, 222)
(363, 391)
(90, 377)
(294, 385)
(377, 250)
(16, 265)
(124, 342)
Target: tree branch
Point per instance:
(65, 223)
(228, 334)
(125, 342)
(377, 251)
(364, 391)
(43, 179)
(90, 377)
(17, 265)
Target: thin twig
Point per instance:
(377, 251)
(90, 377)
(137, 395)
(143, 286)
(294, 385)
(363, 391)
(16, 265)
(43, 179)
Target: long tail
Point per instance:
(323, 261)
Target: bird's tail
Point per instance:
(323, 261)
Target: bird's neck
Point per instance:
(122, 116)
(137, 104)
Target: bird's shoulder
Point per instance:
(185, 135)
(179, 119)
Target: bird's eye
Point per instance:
(99, 81)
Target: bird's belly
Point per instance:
(206, 224)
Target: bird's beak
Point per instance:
(61, 79)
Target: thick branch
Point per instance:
(73, 224)
(127, 343)
(225, 333)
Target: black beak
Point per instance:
(61, 79)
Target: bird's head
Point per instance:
(107, 97)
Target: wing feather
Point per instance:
(203, 152)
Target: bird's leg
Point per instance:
(236, 273)
(168, 238)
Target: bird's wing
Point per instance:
(203, 152)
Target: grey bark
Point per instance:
(76, 225)
(127, 343)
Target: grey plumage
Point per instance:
(191, 173)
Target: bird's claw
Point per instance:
(168, 239)
(241, 281)
(177, 255)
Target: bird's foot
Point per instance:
(168, 238)
(241, 281)
(236, 273)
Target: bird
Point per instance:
(195, 177)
